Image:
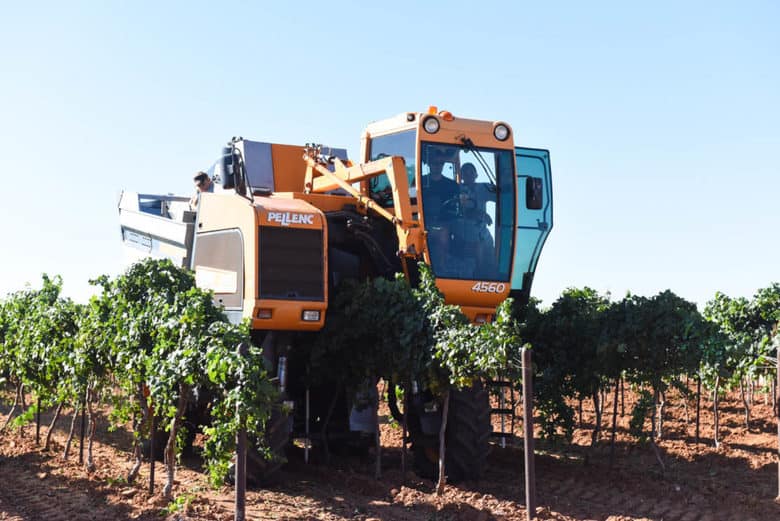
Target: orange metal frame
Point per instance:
(411, 239)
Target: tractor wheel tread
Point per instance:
(467, 438)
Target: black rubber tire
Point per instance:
(468, 434)
(261, 471)
(467, 438)
(425, 458)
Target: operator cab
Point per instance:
(485, 205)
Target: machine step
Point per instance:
(505, 435)
(504, 411)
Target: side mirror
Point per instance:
(228, 174)
(534, 189)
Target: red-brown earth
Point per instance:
(698, 482)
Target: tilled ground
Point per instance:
(737, 481)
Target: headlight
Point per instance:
(310, 315)
(431, 125)
(501, 131)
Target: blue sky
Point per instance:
(663, 119)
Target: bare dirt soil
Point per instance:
(737, 481)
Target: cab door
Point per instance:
(534, 216)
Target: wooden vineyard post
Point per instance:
(240, 475)
(378, 445)
(442, 444)
(308, 434)
(715, 409)
(152, 431)
(528, 435)
(614, 425)
(698, 406)
(404, 431)
(38, 422)
(83, 428)
(240, 515)
(777, 414)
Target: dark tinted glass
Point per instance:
(468, 199)
(400, 144)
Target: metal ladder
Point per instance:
(505, 410)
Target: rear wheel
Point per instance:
(263, 471)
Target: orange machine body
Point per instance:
(301, 187)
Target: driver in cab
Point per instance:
(440, 195)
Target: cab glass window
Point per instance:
(468, 201)
(399, 144)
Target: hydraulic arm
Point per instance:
(320, 179)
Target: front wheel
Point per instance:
(467, 438)
(468, 433)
